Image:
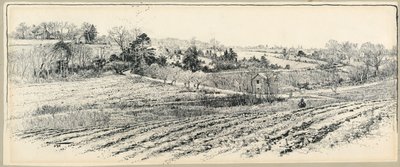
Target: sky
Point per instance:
(306, 26)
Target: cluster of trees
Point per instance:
(174, 74)
(241, 82)
(347, 53)
(188, 59)
(67, 58)
(64, 57)
(191, 60)
(229, 60)
(56, 30)
(123, 36)
(339, 52)
(263, 63)
(226, 61)
(372, 58)
(50, 60)
(136, 48)
(367, 59)
(138, 55)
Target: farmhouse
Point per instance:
(44, 34)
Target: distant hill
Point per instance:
(174, 43)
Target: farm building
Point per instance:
(42, 35)
(81, 39)
(264, 84)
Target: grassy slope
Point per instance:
(110, 94)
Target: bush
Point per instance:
(117, 66)
(237, 100)
(206, 69)
(275, 66)
(287, 66)
(114, 57)
(225, 65)
(357, 75)
(47, 109)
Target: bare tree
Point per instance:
(241, 81)
(334, 79)
(89, 32)
(172, 73)
(333, 50)
(136, 32)
(186, 77)
(198, 78)
(61, 29)
(348, 50)
(22, 30)
(218, 81)
(72, 31)
(121, 36)
(271, 81)
(373, 55)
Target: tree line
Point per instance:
(58, 30)
(138, 55)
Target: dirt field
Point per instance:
(133, 120)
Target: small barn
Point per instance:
(264, 84)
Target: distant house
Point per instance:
(41, 33)
(264, 84)
(80, 39)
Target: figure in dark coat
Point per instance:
(302, 104)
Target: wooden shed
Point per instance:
(264, 84)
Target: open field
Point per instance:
(133, 119)
(273, 59)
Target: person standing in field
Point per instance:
(302, 104)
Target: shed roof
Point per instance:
(261, 75)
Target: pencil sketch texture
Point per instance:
(161, 84)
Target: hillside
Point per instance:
(138, 120)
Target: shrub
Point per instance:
(237, 100)
(114, 57)
(225, 65)
(117, 66)
(47, 109)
